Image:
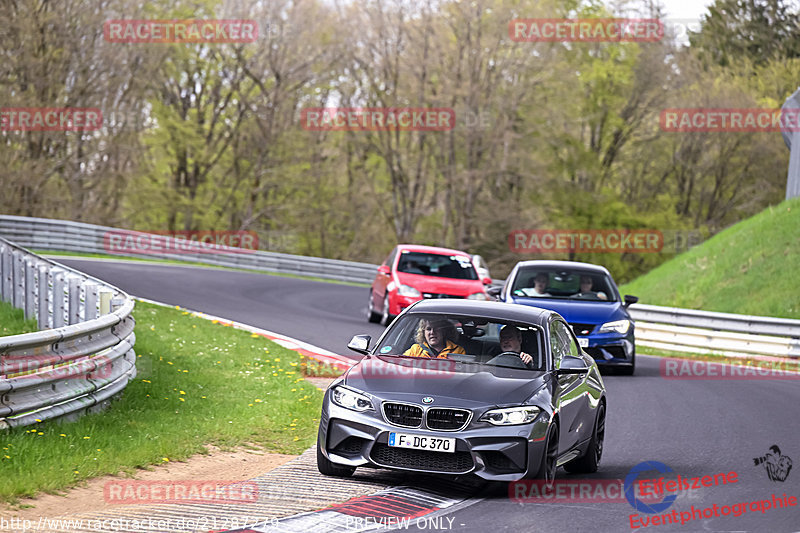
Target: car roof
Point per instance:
(562, 264)
(429, 249)
(483, 309)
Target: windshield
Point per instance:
(560, 283)
(442, 266)
(466, 339)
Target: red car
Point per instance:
(412, 273)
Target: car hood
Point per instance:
(578, 311)
(465, 384)
(456, 287)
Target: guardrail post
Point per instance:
(2, 272)
(105, 302)
(8, 275)
(18, 267)
(44, 298)
(74, 300)
(58, 299)
(30, 289)
(90, 307)
(116, 303)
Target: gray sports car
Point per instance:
(454, 387)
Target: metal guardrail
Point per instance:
(83, 355)
(660, 327)
(689, 330)
(67, 236)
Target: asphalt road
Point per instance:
(696, 427)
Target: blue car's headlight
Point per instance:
(618, 326)
(350, 399)
(511, 416)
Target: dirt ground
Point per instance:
(239, 465)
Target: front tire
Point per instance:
(328, 468)
(372, 315)
(549, 463)
(386, 317)
(588, 463)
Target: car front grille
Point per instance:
(447, 419)
(402, 414)
(456, 462)
(618, 352)
(582, 329)
(434, 295)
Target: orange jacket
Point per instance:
(427, 351)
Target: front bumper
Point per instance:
(611, 349)
(496, 453)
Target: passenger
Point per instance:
(539, 286)
(586, 292)
(511, 341)
(435, 339)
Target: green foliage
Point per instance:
(758, 30)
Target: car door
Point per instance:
(572, 389)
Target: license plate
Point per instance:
(422, 442)
(583, 342)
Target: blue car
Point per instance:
(587, 297)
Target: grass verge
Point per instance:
(747, 269)
(199, 384)
(13, 322)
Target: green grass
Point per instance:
(199, 383)
(192, 263)
(12, 321)
(749, 268)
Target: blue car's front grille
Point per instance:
(582, 329)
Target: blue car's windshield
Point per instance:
(464, 339)
(564, 283)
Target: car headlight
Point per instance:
(408, 290)
(350, 399)
(478, 296)
(511, 416)
(618, 326)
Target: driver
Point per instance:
(511, 341)
(434, 339)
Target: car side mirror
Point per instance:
(572, 365)
(494, 292)
(630, 300)
(487, 280)
(384, 269)
(360, 344)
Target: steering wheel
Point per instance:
(509, 359)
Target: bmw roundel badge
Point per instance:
(427, 399)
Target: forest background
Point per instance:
(547, 135)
